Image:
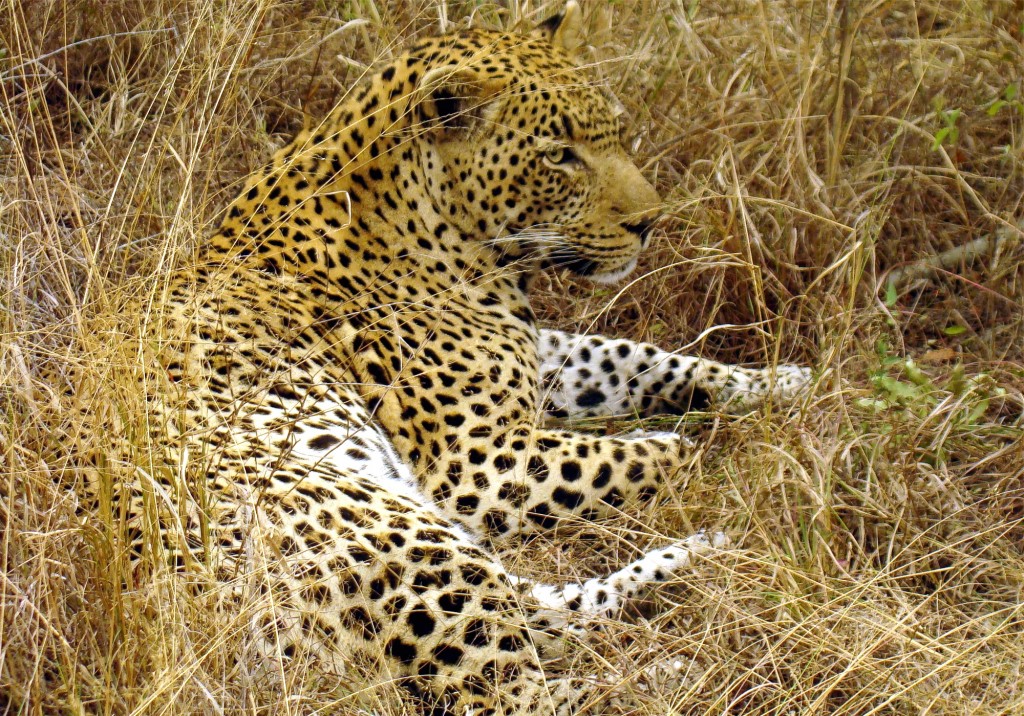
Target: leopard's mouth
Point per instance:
(610, 270)
(564, 247)
(570, 258)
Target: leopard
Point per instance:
(357, 403)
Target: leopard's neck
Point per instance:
(347, 203)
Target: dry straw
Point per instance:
(811, 153)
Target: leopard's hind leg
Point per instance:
(574, 607)
(357, 575)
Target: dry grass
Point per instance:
(880, 568)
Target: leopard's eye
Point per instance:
(557, 154)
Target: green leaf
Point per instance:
(954, 330)
(898, 389)
(873, 404)
(890, 294)
(977, 411)
(995, 107)
(1010, 93)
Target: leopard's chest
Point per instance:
(432, 374)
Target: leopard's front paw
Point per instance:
(790, 381)
(748, 389)
(685, 445)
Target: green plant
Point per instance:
(949, 132)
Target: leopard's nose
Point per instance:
(634, 198)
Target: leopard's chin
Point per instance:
(612, 277)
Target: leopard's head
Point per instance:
(522, 149)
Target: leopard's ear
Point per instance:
(453, 97)
(565, 30)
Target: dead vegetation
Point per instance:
(810, 153)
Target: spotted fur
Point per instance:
(352, 374)
(592, 376)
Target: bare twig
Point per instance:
(965, 253)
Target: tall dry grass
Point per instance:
(809, 151)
